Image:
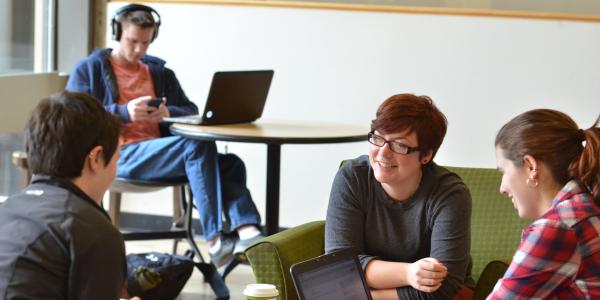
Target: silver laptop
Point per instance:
(234, 97)
(337, 275)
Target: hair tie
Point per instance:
(581, 134)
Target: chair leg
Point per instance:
(228, 268)
(178, 217)
(210, 272)
(214, 279)
(189, 207)
(114, 207)
(177, 192)
(19, 159)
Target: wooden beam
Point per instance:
(385, 8)
(99, 23)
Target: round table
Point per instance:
(274, 134)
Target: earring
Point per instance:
(531, 181)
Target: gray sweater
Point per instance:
(434, 222)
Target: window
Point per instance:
(27, 36)
(10, 174)
(27, 45)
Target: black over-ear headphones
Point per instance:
(117, 27)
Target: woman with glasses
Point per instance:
(551, 173)
(407, 217)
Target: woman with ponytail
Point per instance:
(551, 172)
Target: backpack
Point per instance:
(157, 276)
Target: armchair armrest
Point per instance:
(490, 275)
(272, 258)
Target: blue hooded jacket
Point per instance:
(94, 75)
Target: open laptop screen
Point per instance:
(332, 276)
(234, 97)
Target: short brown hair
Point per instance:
(141, 18)
(403, 112)
(63, 129)
(555, 139)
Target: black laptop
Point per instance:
(336, 275)
(234, 97)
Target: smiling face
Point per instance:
(525, 199)
(393, 170)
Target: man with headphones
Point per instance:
(56, 241)
(127, 81)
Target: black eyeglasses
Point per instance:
(397, 147)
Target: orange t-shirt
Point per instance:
(134, 82)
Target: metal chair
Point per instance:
(124, 185)
(182, 219)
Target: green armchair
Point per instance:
(272, 258)
(495, 234)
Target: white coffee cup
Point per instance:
(260, 291)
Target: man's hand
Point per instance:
(157, 114)
(139, 110)
(426, 274)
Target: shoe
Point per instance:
(225, 253)
(242, 245)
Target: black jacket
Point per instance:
(57, 243)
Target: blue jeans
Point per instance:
(218, 181)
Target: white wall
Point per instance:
(339, 65)
(74, 32)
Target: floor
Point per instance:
(196, 288)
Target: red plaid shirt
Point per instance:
(559, 254)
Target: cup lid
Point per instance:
(260, 290)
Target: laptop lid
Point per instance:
(237, 97)
(336, 275)
(234, 97)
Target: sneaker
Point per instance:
(225, 253)
(242, 245)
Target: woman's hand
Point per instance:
(426, 274)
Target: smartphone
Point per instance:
(154, 102)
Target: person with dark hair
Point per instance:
(408, 218)
(128, 81)
(551, 173)
(56, 241)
